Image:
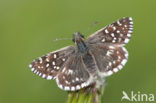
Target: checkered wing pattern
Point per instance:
(74, 75)
(49, 65)
(109, 58)
(118, 32)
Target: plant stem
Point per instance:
(86, 95)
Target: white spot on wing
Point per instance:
(126, 55)
(131, 26)
(49, 77)
(118, 31)
(77, 87)
(118, 22)
(32, 69)
(114, 62)
(112, 34)
(63, 59)
(30, 65)
(106, 31)
(63, 69)
(129, 35)
(129, 31)
(47, 59)
(115, 69)
(60, 86)
(108, 53)
(58, 68)
(70, 71)
(35, 71)
(55, 56)
(40, 60)
(73, 81)
(130, 22)
(47, 65)
(72, 88)
(53, 63)
(130, 18)
(77, 79)
(43, 76)
(66, 88)
(55, 67)
(126, 52)
(66, 82)
(83, 85)
(113, 41)
(110, 64)
(121, 35)
(124, 61)
(103, 40)
(40, 74)
(126, 40)
(111, 47)
(114, 28)
(120, 67)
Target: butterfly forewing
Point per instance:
(48, 65)
(118, 32)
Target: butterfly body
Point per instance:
(90, 61)
(79, 41)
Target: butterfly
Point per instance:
(89, 61)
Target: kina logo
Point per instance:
(137, 96)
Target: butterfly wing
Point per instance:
(49, 65)
(118, 32)
(74, 75)
(109, 59)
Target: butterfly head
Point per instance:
(77, 36)
(78, 39)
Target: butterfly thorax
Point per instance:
(79, 41)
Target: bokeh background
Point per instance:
(27, 31)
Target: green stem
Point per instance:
(85, 96)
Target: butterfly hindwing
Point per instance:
(109, 58)
(74, 75)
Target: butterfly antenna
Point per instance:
(91, 26)
(58, 39)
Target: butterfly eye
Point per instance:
(82, 35)
(77, 35)
(73, 39)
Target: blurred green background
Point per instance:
(27, 31)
